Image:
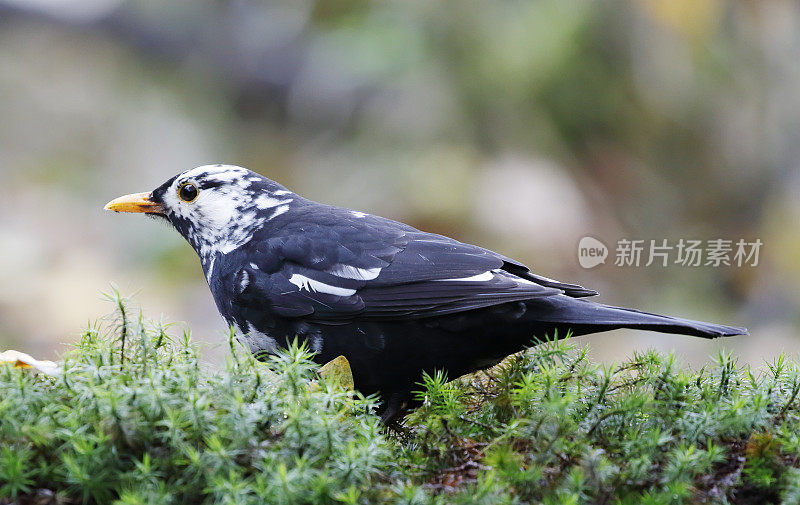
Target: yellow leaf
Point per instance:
(337, 371)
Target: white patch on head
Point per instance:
(485, 276)
(225, 216)
(355, 213)
(314, 286)
(217, 173)
(350, 272)
(253, 266)
(280, 210)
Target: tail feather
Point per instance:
(582, 317)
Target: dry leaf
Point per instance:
(22, 360)
(338, 371)
(335, 371)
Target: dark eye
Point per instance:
(187, 192)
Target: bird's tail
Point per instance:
(581, 317)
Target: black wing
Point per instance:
(335, 265)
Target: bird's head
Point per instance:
(217, 208)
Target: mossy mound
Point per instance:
(135, 418)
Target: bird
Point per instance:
(396, 301)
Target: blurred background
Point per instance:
(520, 126)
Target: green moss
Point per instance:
(548, 426)
(148, 423)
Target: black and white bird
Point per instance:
(394, 300)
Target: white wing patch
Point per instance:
(350, 272)
(485, 276)
(313, 286)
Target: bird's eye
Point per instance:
(187, 192)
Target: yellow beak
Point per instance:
(137, 202)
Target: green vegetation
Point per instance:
(135, 419)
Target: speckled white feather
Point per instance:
(225, 216)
